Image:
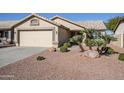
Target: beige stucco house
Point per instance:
(119, 34)
(37, 31)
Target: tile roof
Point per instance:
(10, 24)
(36, 15)
(7, 24)
(98, 24)
(54, 17)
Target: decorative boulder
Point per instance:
(91, 54)
(52, 49)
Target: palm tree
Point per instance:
(112, 23)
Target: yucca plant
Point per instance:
(99, 43)
(90, 35)
(107, 39)
(90, 43)
(92, 38)
(77, 39)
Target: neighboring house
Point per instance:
(119, 34)
(6, 28)
(36, 31)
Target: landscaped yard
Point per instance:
(69, 65)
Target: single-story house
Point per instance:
(119, 34)
(37, 31)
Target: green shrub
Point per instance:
(90, 42)
(40, 58)
(61, 44)
(65, 45)
(63, 49)
(110, 50)
(69, 44)
(72, 42)
(121, 57)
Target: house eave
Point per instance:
(53, 18)
(1, 29)
(35, 29)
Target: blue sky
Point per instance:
(71, 16)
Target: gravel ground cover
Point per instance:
(65, 66)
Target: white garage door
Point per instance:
(36, 38)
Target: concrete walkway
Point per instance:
(13, 54)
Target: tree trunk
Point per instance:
(90, 48)
(98, 50)
(81, 47)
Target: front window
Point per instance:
(34, 22)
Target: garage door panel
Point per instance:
(36, 38)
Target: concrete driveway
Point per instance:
(13, 54)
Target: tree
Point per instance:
(90, 43)
(111, 24)
(90, 35)
(77, 39)
(92, 38)
(95, 38)
(99, 43)
(107, 39)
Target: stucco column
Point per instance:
(55, 37)
(15, 37)
(9, 35)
